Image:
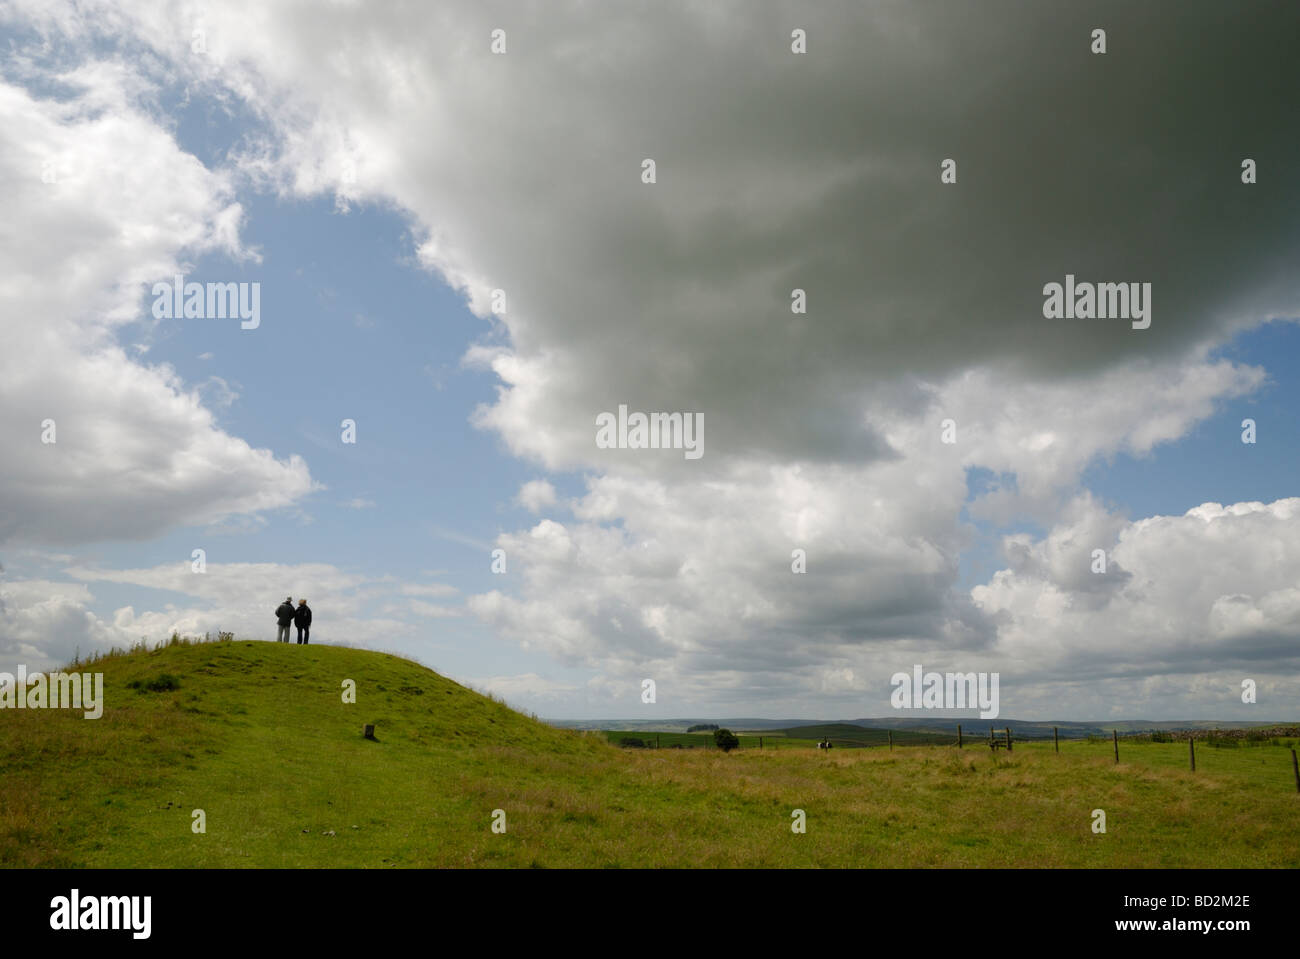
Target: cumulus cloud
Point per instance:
(528, 687)
(44, 622)
(777, 172)
(100, 202)
(1214, 587)
(536, 495)
(818, 172)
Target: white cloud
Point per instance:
(525, 687)
(43, 622)
(135, 450)
(536, 495)
(1191, 594)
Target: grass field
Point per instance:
(256, 735)
(845, 734)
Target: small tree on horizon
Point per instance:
(725, 740)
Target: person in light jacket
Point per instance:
(302, 619)
(283, 617)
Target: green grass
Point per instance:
(256, 735)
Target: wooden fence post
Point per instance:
(959, 735)
(760, 742)
(1008, 739)
(1295, 768)
(1115, 735)
(1191, 751)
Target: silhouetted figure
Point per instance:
(283, 617)
(302, 619)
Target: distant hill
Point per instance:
(1026, 729)
(676, 725)
(850, 734)
(971, 726)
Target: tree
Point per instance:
(725, 740)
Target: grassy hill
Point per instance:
(257, 736)
(941, 730)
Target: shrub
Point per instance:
(725, 740)
(159, 684)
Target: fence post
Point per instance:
(891, 739)
(1008, 739)
(1295, 768)
(1115, 735)
(959, 735)
(1056, 739)
(760, 742)
(1191, 751)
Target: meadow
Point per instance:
(257, 736)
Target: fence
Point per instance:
(1216, 739)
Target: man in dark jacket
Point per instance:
(283, 617)
(302, 619)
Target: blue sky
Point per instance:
(1210, 463)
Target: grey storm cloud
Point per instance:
(777, 171)
(821, 172)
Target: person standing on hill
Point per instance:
(302, 619)
(283, 617)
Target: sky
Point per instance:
(380, 171)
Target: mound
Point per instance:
(257, 736)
